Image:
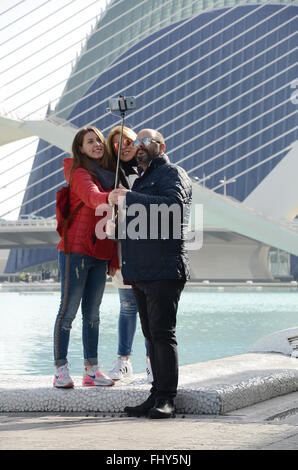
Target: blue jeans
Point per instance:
(83, 280)
(127, 322)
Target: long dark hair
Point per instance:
(80, 160)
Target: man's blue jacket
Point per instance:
(157, 212)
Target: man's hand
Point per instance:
(114, 195)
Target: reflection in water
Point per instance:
(210, 325)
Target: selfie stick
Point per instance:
(119, 150)
(122, 109)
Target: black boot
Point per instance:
(142, 409)
(163, 408)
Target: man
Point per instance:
(156, 262)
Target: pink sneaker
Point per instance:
(62, 378)
(95, 376)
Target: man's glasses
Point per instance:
(146, 142)
(125, 143)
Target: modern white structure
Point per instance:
(216, 79)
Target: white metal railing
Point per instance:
(38, 222)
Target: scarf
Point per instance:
(126, 169)
(106, 178)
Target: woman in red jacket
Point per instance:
(91, 175)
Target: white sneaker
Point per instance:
(149, 371)
(62, 378)
(122, 369)
(95, 376)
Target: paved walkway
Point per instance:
(255, 397)
(252, 428)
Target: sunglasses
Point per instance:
(146, 142)
(125, 143)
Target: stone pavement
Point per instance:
(253, 428)
(243, 402)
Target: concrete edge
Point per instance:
(191, 399)
(258, 389)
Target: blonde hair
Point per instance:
(128, 133)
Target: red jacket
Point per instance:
(81, 233)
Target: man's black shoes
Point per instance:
(142, 409)
(162, 409)
(153, 408)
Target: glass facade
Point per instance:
(214, 77)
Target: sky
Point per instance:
(39, 42)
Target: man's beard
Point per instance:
(146, 158)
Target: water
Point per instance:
(210, 325)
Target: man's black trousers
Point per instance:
(157, 303)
